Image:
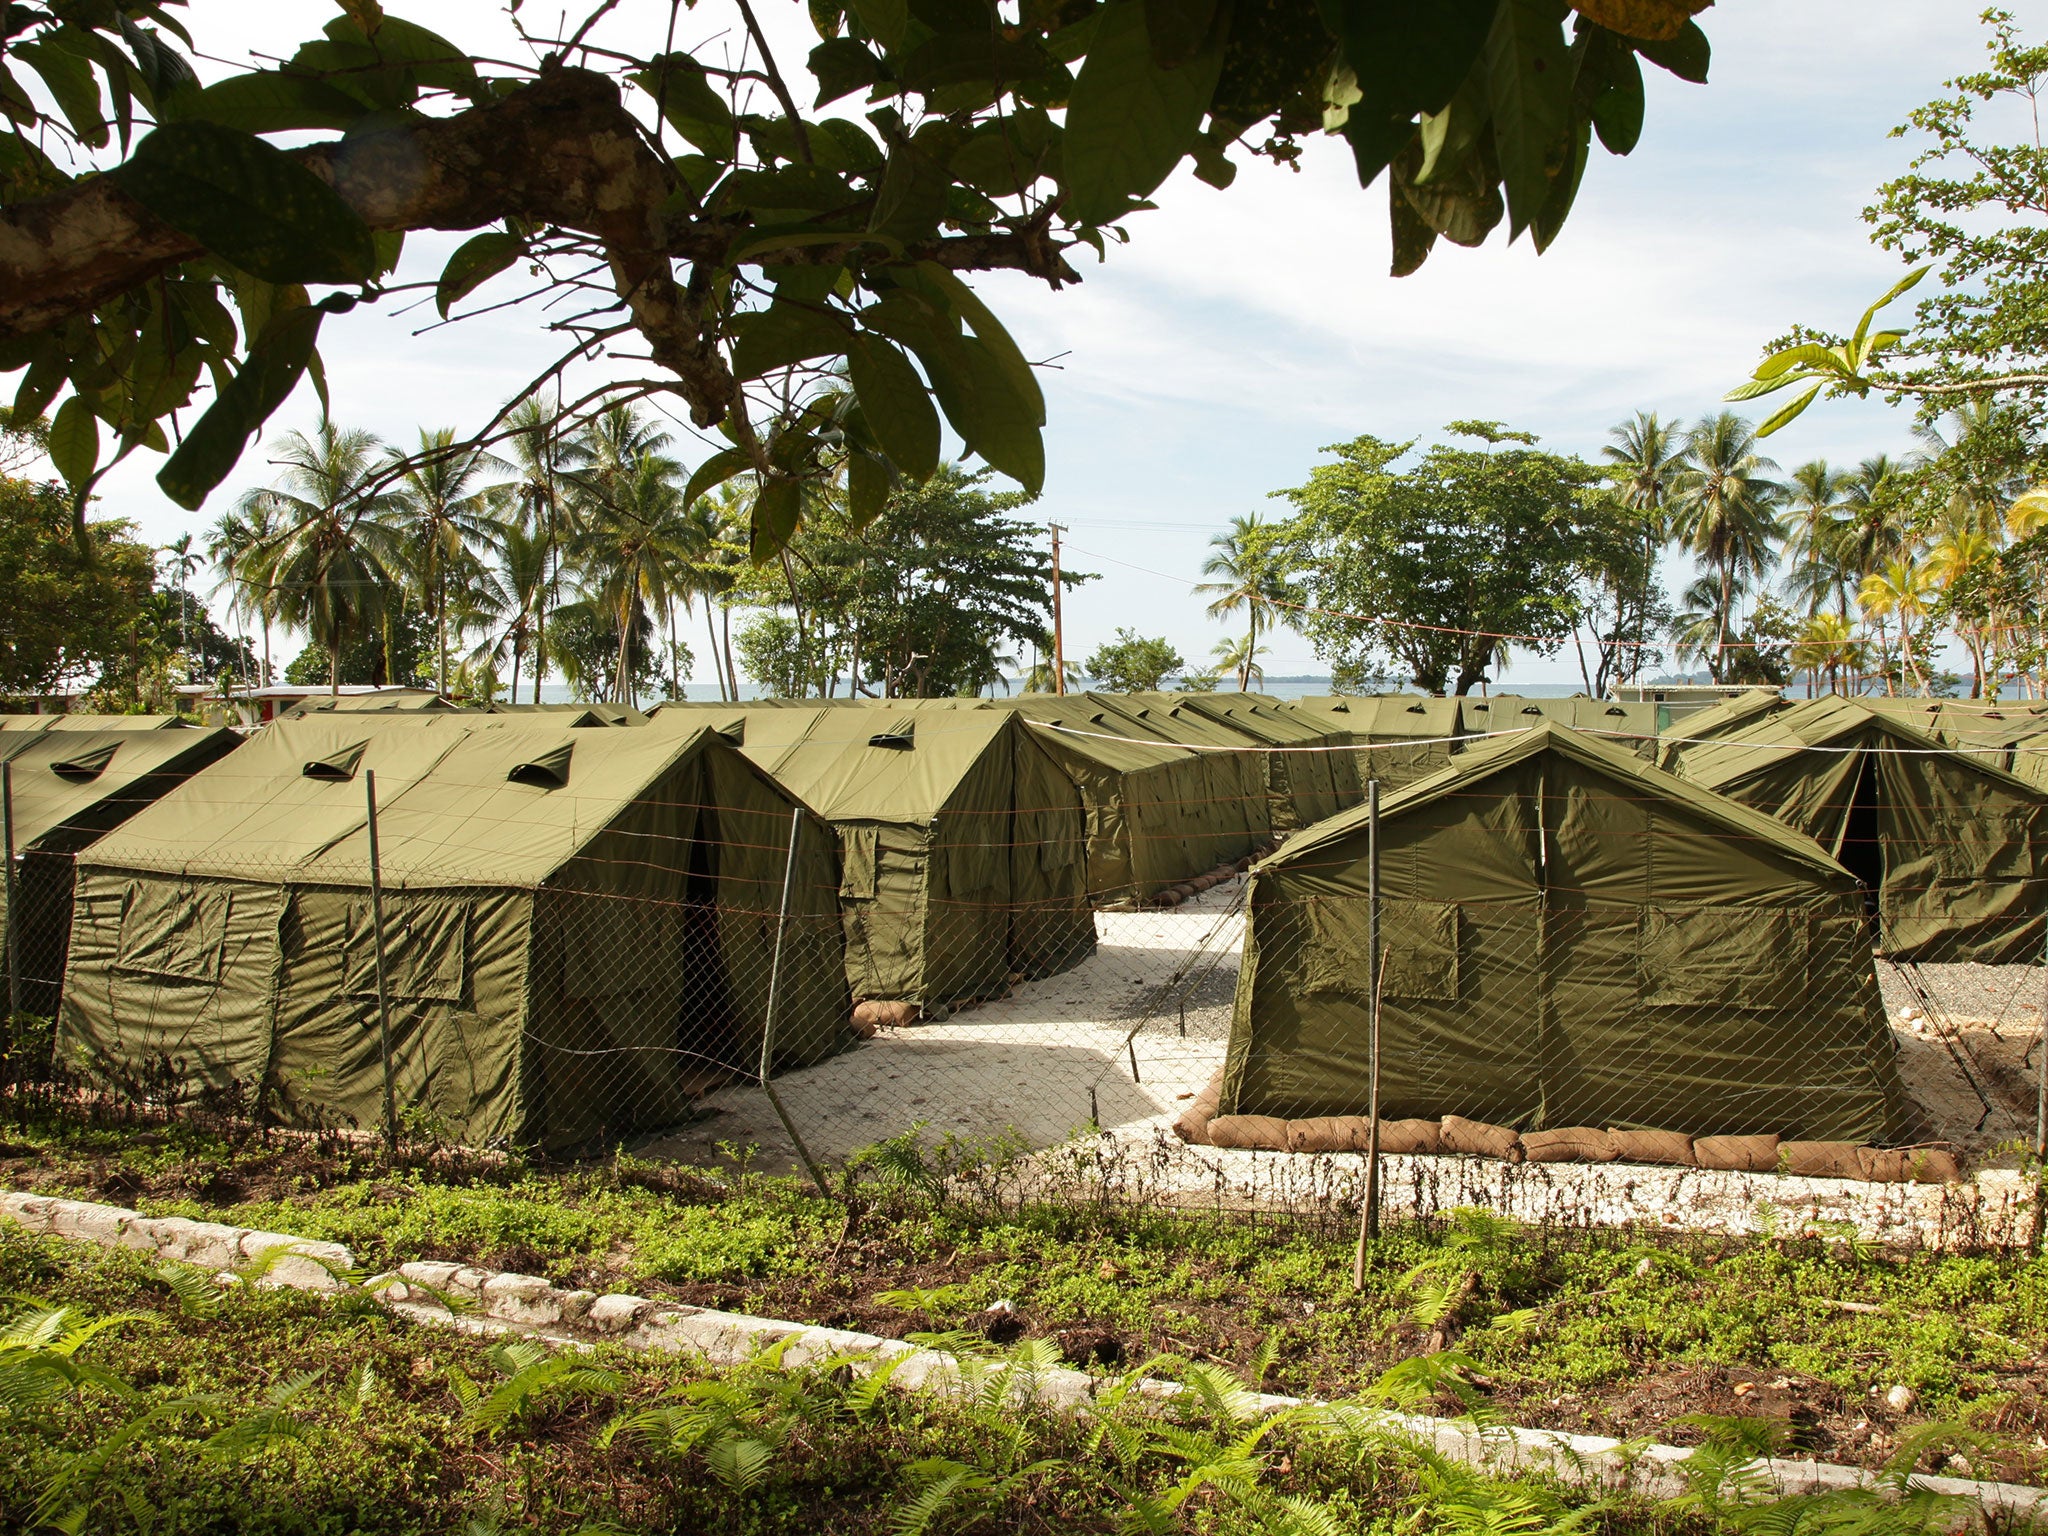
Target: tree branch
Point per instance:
(561, 152)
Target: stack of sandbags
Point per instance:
(1200, 1125)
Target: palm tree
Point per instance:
(1950, 563)
(1040, 678)
(445, 518)
(539, 457)
(1827, 643)
(1241, 657)
(634, 548)
(329, 563)
(713, 561)
(1643, 460)
(1723, 502)
(233, 545)
(1899, 591)
(185, 562)
(1254, 573)
(1813, 511)
(520, 587)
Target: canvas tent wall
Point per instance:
(577, 934)
(962, 842)
(1156, 814)
(1289, 795)
(1305, 780)
(1409, 735)
(1728, 720)
(69, 788)
(1953, 851)
(1573, 937)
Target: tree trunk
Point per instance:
(441, 631)
(711, 634)
(731, 672)
(621, 692)
(1721, 638)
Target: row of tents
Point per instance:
(583, 900)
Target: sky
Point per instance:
(1208, 362)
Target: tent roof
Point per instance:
(1727, 718)
(570, 714)
(1381, 717)
(880, 764)
(59, 776)
(91, 722)
(378, 702)
(1086, 725)
(1838, 724)
(1640, 780)
(1252, 716)
(481, 806)
(1594, 716)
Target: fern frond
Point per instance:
(739, 1463)
(197, 1292)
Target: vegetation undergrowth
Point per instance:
(153, 1397)
(1846, 1350)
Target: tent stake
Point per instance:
(1369, 1216)
(13, 948)
(377, 953)
(796, 821)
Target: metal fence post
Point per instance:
(1369, 1217)
(796, 822)
(377, 951)
(13, 902)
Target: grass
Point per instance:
(185, 1408)
(1610, 1332)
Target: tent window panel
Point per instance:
(1729, 957)
(857, 871)
(1419, 939)
(1058, 845)
(174, 932)
(426, 951)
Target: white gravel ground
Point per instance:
(1042, 1062)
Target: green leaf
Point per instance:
(714, 472)
(1904, 285)
(249, 203)
(690, 104)
(783, 335)
(1408, 56)
(1178, 29)
(912, 197)
(955, 58)
(867, 489)
(843, 66)
(1128, 121)
(475, 262)
(896, 404)
(974, 390)
(1808, 354)
(1686, 55)
(269, 102)
(1618, 107)
(71, 81)
(1564, 187)
(1528, 76)
(1782, 417)
(965, 303)
(75, 442)
(263, 383)
(776, 511)
(883, 20)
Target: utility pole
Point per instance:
(1059, 639)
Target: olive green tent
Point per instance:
(1572, 937)
(963, 843)
(1409, 735)
(1728, 720)
(1157, 814)
(1290, 761)
(1990, 731)
(69, 788)
(1953, 850)
(578, 929)
(1632, 726)
(375, 701)
(594, 713)
(91, 722)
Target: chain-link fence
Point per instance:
(687, 958)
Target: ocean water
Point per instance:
(1277, 687)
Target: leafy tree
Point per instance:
(66, 614)
(1466, 547)
(398, 653)
(816, 247)
(588, 647)
(773, 655)
(1968, 207)
(1133, 663)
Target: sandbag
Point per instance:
(1328, 1133)
(1476, 1137)
(1821, 1159)
(1917, 1165)
(1262, 1132)
(1424, 1136)
(1568, 1144)
(1193, 1125)
(1672, 1148)
(1737, 1154)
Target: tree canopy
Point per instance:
(782, 242)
